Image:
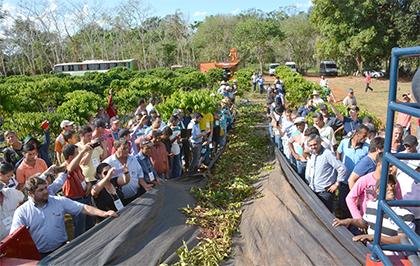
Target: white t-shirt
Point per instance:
(328, 133)
(11, 200)
(175, 148)
(410, 190)
(136, 172)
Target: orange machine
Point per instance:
(228, 66)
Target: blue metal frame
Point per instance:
(394, 159)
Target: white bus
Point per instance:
(80, 68)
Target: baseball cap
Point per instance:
(145, 142)
(27, 139)
(350, 90)
(123, 132)
(65, 123)
(410, 140)
(322, 107)
(197, 115)
(114, 119)
(299, 120)
(354, 108)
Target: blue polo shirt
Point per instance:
(350, 125)
(365, 166)
(146, 166)
(46, 223)
(350, 156)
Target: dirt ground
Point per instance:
(375, 101)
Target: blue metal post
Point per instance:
(392, 95)
(384, 207)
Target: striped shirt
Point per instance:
(389, 227)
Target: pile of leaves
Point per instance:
(219, 204)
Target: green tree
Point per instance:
(255, 37)
(300, 37)
(366, 30)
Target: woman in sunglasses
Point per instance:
(107, 192)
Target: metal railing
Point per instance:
(384, 206)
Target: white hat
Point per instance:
(299, 120)
(65, 123)
(315, 92)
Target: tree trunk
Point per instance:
(359, 62)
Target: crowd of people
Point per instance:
(98, 168)
(340, 158)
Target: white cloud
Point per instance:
(199, 14)
(236, 11)
(303, 4)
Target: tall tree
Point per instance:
(365, 30)
(300, 37)
(254, 37)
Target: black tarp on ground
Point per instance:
(289, 225)
(148, 231)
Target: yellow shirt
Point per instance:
(89, 170)
(206, 122)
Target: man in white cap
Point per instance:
(296, 146)
(66, 126)
(316, 100)
(350, 98)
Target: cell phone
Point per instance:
(95, 144)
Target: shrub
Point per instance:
(214, 76)
(243, 76)
(193, 80)
(80, 106)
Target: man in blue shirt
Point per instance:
(44, 214)
(149, 172)
(351, 122)
(196, 140)
(323, 171)
(350, 152)
(368, 163)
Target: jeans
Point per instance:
(186, 153)
(254, 86)
(418, 132)
(196, 156)
(261, 86)
(82, 222)
(343, 191)
(278, 142)
(327, 198)
(301, 167)
(222, 140)
(207, 154)
(176, 166)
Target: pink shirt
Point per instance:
(403, 119)
(363, 191)
(108, 138)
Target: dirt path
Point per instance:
(279, 228)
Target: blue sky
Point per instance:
(193, 9)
